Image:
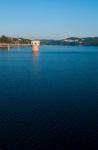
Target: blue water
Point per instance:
(49, 101)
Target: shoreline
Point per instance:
(9, 45)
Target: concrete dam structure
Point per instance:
(35, 46)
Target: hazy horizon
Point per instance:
(49, 19)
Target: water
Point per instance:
(48, 101)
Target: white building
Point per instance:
(35, 45)
(71, 40)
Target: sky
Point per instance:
(49, 19)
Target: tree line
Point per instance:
(5, 39)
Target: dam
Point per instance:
(34, 44)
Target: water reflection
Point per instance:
(35, 48)
(35, 56)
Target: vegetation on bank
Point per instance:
(10, 40)
(89, 41)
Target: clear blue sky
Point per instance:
(49, 18)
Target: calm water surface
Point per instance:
(49, 101)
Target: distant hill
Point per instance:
(73, 41)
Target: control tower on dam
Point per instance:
(35, 46)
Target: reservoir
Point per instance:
(49, 100)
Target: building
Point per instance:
(35, 45)
(71, 40)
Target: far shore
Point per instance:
(11, 45)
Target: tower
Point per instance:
(35, 46)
